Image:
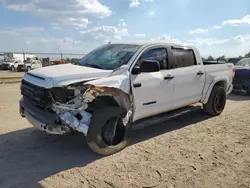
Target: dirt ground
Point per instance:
(8, 73)
(194, 150)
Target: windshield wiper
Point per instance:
(93, 66)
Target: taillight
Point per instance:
(233, 72)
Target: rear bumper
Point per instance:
(42, 120)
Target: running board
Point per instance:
(164, 117)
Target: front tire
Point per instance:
(13, 69)
(216, 102)
(107, 134)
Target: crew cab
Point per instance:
(12, 64)
(32, 64)
(15, 62)
(119, 87)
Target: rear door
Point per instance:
(189, 77)
(152, 93)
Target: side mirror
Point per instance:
(136, 70)
(146, 66)
(149, 66)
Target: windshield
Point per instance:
(244, 62)
(109, 57)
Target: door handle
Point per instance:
(137, 85)
(168, 77)
(200, 73)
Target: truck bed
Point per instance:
(212, 63)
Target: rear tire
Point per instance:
(107, 134)
(248, 90)
(216, 102)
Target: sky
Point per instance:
(215, 27)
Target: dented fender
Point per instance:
(117, 87)
(119, 81)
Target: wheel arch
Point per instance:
(216, 82)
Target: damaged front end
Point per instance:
(67, 109)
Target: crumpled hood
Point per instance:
(62, 75)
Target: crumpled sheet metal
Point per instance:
(123, 99)
(80, 126)
(67, 112)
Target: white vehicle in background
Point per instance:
(1, 60)
(15, 62)
(32, 64)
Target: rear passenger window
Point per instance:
(183, 58)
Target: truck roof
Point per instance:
(150, 42)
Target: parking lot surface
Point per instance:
(194, 150)
(7, 73)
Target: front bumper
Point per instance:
(20, 67)
(41, 119)
(5, 66)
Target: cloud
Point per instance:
(198, 31)
(151, 13)
(140, 35)
(104, 34)
(22, 30)
(166, 38)
(122, 23)
(233, 46)
(77, 23)
(57, 28)
(201, 31)
(216, 27)
(35, 40)
(65, 13)
(134, 3)
(236, 22)
(209, 41)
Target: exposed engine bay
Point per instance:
(75, 104)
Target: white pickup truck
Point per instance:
(121, 86)
(15, 62)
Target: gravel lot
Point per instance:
(194, 150)
(7, 73)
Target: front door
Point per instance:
(152, 93)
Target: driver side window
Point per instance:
(157, 54)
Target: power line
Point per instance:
(43, 53)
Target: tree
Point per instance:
(74, 60)
(222, 57)
(210, 58)
(248, 54)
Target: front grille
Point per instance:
(5, 66)
(20, 66)
(37, 95)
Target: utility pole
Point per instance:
(23, 55)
